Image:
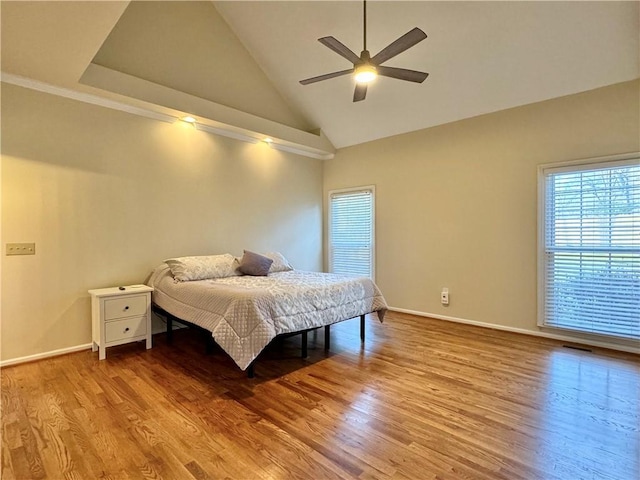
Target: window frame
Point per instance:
(330, 193)
(610, 161)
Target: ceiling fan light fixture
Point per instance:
(365, 73)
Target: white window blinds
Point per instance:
(351, 231)
(591, 248)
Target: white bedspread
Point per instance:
(244, 313)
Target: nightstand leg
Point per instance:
(102, 353)
(94, 347)
(148, 342)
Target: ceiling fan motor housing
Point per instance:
(365, 71)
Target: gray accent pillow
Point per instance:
(254, 264)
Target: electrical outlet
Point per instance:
(21, 248)
(444, 296)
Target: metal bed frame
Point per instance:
(250, 369)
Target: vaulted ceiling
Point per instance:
(237, 65)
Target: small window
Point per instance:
(351, 231)
(589, 259)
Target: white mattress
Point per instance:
(244, 313)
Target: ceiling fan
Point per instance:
(366, 68)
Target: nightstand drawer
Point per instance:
(128, 306)
(127, 328)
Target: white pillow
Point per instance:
(185, 269)
(280, 264)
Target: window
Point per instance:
(589, 259)
(351, 231)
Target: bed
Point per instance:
(244, 313)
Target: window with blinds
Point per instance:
(351, 231)
(590, 247)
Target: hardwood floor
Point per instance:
(422, 399)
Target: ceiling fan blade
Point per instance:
(403, 74)
(327, 76)
(406, 41)
(360, 92)
(339, 48)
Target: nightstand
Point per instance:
(120, 316)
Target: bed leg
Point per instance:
(362, 328)
(251, 373)
(210, 345)
(304, 344)
(327, 337)
(169, 329)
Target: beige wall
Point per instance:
(456, 204)
(106, 196)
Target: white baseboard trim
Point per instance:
(565, 338)
(554, 336)
(77, 348)
(40, 356)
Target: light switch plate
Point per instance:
(21, 248)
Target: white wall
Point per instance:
(456, 204)
(106, 196)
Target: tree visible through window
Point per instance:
(590, 268)
(351, 231)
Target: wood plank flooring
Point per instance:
(422, 399)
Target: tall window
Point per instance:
(351, 231)
(589, 260)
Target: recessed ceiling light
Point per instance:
(268, 140)
(188, 119)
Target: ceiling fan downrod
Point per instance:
(364, 29)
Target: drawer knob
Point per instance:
(126, 329)
(127, 307)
